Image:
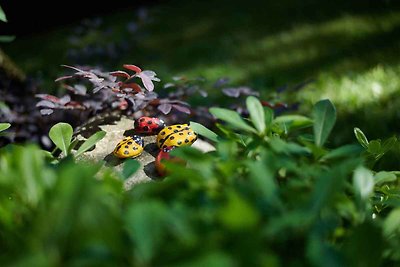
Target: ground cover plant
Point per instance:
(302, 113)
(273, 184)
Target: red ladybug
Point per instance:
(164, 155)
(149, 125)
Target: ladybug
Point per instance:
(148, 125)
(129, 147)
(176, 135)
(164, 155)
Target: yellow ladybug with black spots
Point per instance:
(176, 135)
(129, 147)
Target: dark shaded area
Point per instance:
(179, 36)
(33, 17)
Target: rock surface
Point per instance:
(114, 133)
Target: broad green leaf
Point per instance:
(212, 259)
(130, 167)
(61, 135)
(294, 121)
(388, 144)
(146, 224)
(269, 117)
(2, 15)
(4, 126)
(204, 131)
(363, 182)
(324, 114)
(6, 38)
(257, 114)
(362, 139)
(280, 146)
(392, 222)
(235, 205)
(384, 177)
(374, 147)
(90, 142)
(343, 151)
(364, 245)
(233, 118)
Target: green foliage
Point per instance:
(203, 131)
(2, 15)
(61, 135)
(324, 114)
(5, 38)
(259, 193)
(4, 126)
(90, 142)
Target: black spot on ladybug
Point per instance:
(126, 146)
(180, 133)
(149, 122)
(175, 131)
(142, 119)
(134, 148)
(169, 128)
(186, 141)
(186, 128)
(145, 128)
(189, 133)
(162, 133)
(179, 142)
(126, 152)
(178, 126)
(129, 143)
(172, 138)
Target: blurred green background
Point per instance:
(350, 49)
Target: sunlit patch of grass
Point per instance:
(354, 91)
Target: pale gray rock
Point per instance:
(115, 132)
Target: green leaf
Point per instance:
(6, 38)
(204, 131)
(61, 135)
(280, 146)
(362, 139)
(130, 167)
(257, 114)
(294, 121)
(384, 177)
(363, 182)
(2, 15)
(388, 144)
(392, 222)
(237, 213)
(324, 114)
(4, 126)
(233, 118)
(90, 142)
(343, 151)
(374, 147)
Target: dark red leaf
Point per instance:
(63, 78)
(132, 68)
(136, 87)
(120, 73)
(48, 97)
